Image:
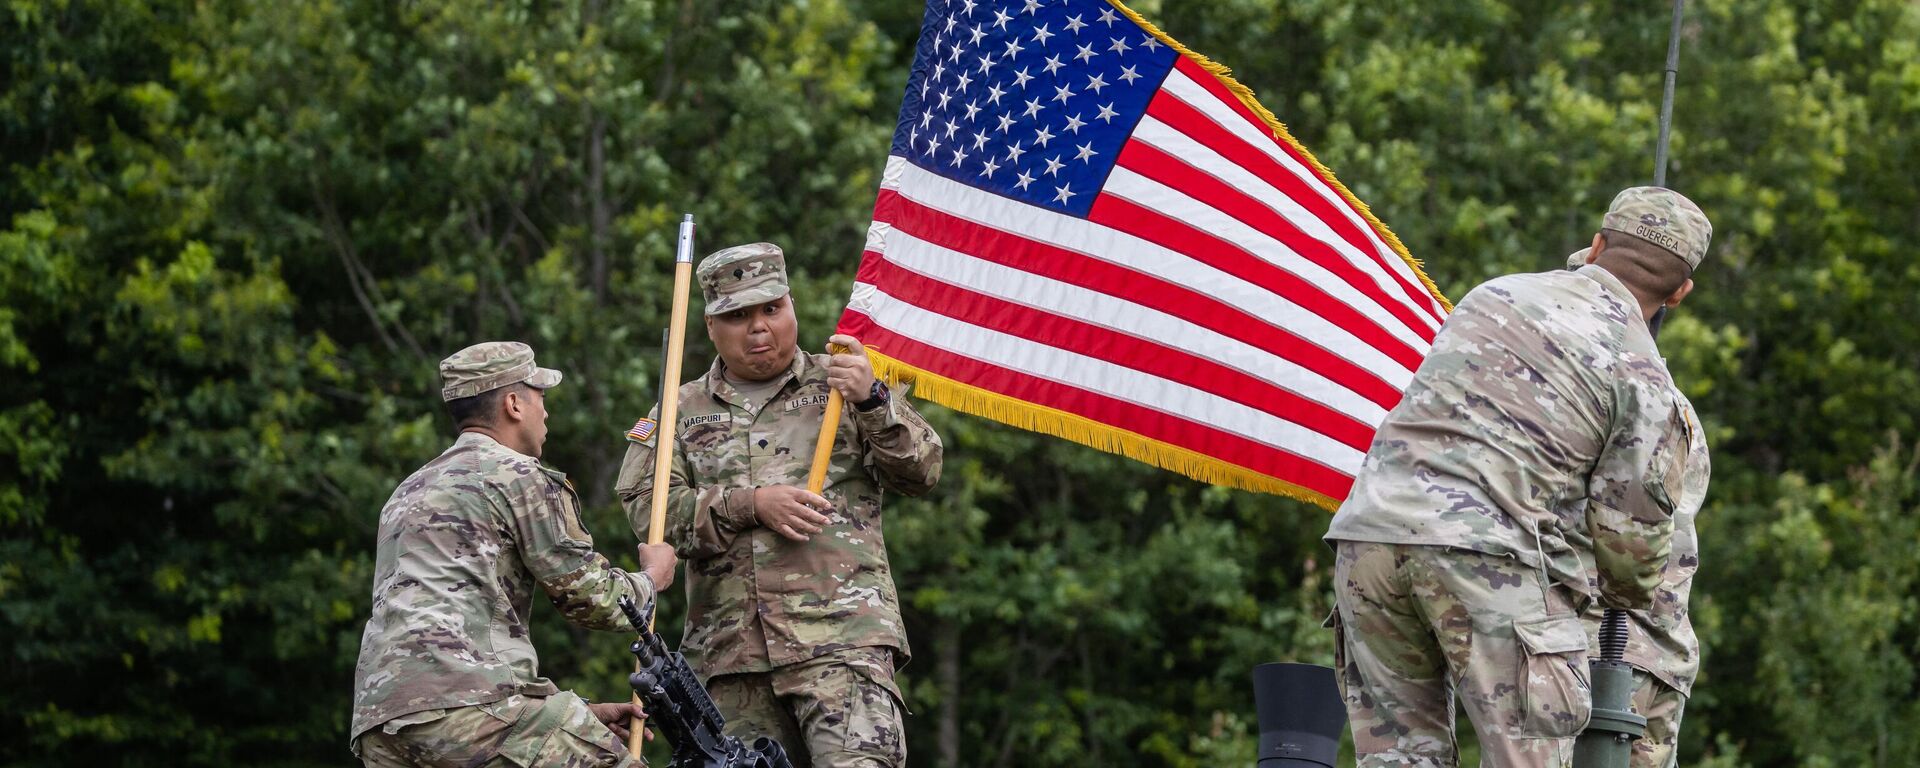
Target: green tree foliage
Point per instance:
(237, 235)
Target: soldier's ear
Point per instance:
(1678, 294)
(512, 405)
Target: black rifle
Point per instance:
(679, 706)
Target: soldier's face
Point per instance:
(527, 409)
(756, 342)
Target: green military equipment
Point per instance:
(1608, 740)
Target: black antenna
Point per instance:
(1666, 128)
(1666, 100)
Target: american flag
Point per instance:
(1087, 230)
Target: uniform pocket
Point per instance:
(560, 730)
(876, 712)
(876, 669)
(1666, 470)
(1554, 690)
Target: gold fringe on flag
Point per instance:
(1245, 95)
(1039, 418)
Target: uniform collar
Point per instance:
(725, 392)
(485, 442)
(470, 439)
(1599, 274)
(1607, 280)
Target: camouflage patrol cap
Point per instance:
(1578, 258)
(742, 276)
(1663, 217)
(490, 365)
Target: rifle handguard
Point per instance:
(680, 707)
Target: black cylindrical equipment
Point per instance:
(1301, 715)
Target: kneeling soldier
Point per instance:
(447, 674)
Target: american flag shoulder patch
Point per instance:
(642, 430)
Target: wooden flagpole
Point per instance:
(829, 427)
(823, 445)
(669, 419)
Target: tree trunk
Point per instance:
(947, 675)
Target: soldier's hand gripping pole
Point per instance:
(669, 417)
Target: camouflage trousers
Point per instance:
(841, 710)
(555, 731)
(1417, 626)
(1661, 705)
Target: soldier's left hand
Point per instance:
(850, 372)
(616, 714)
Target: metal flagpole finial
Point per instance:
(683, 253)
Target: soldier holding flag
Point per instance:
(793, 618)
(1661, 644)
(1535, 465)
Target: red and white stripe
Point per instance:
(1220, 296)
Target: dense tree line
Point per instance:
(236, 235)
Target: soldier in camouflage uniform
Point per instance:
(792, 617)
(1533, 467)
(447, 673)
(1661, 645)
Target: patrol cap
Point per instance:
(1663, 217)
(490, 365)
(742, 276)
(1578, 258)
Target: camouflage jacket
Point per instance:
(1542, 425)
(757, 600)
(1660, 639)
(463, 543)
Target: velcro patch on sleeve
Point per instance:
(806, 400)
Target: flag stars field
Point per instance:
(1069, 66)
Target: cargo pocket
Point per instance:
(393, 736)
(1666, 470)
(560, 730)
(876, 713)
(1554, 691)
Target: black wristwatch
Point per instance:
(877, 396)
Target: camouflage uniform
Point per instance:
(797, 640)
(1532, 467)
(447, 672)
(1660, 640)
(844, 710)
